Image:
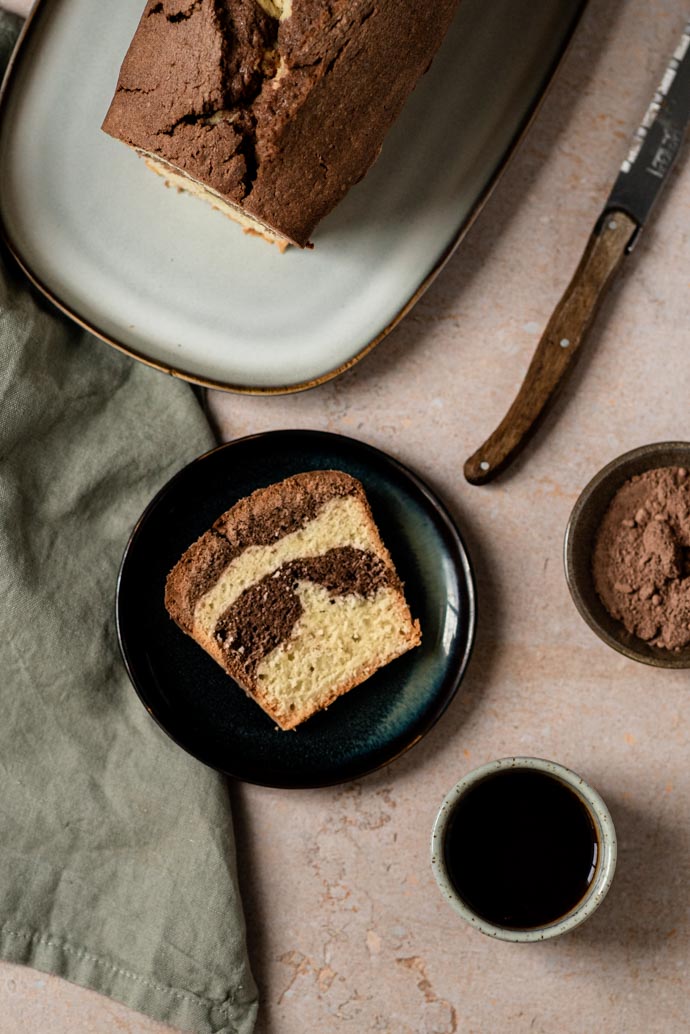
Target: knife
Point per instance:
(644, 172)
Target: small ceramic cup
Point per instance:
(606, 853)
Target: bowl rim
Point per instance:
(606, 862)
(650, 451)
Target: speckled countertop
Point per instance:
(348, 932)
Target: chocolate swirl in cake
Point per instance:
(265, 615)
(259, 520)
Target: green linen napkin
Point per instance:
(117, 859)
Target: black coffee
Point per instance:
(521, 849)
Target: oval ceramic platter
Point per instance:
(177, 285)
(207, 713)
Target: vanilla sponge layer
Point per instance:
(336, 644)
(338, 523)
(280, 9)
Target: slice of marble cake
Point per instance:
(294, 594)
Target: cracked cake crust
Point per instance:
(276, 116)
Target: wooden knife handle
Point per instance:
(558, 348)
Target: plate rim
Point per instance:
(444, 256)
(464, 571)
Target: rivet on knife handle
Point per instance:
(558, 348)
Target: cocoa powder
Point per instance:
(641, 562)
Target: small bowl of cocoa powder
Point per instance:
(627, 554)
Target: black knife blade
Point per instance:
(657, 142)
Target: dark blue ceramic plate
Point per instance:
(204, 711)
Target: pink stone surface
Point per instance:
(348, 932)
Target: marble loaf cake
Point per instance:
(294, 594)
(271, 109)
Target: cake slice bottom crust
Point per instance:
(181, 181)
